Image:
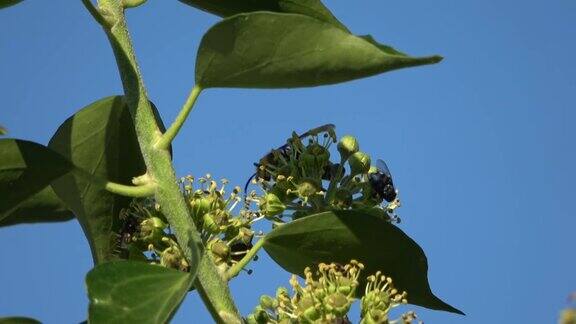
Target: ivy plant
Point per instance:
(331, 212)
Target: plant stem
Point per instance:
(171, 132)
(158, 161)
(235, 269)
(211, 284)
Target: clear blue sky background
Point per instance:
(481, 145)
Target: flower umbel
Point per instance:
(299, 179)
(325, 297)
(225, 231)
(328, 294)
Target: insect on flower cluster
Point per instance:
(299, 178)
(225, 231)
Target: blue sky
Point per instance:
(481, 146)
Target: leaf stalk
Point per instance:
(172, 131)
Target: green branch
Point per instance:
(132, 3)
(171, 132)
(142, 191)
(159, 163)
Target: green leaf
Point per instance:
(135, 292)
(226, 8)
(100, 140)
(3, 130)
(345, 235)
(44, 206)
(18, 320)
(274, 50)
(8, 3)
(26, 170)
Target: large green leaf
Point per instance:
(226, 8)
(345, 235)
(8, 3)
(43, 207)
(100, 140)
(277, 50)
(135, 292)
(26, 171)
(3, 130)
(18, 320)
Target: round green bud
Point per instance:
(347, 146)
(342, 198)
(359, 163)
(151, 230)
(282, 292)
(338, 304)
(260, 315)
(271, 205)
(200, 205)
(170, 258)
(267, 302)
(318, 151)
(246, 235)
(346, 286)
(307, 188)
(311, 314)
(216, 221)
(220, 250)
(251, 319)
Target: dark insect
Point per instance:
(129, 227)
(284, 151)
(238, 250)
(381, 182)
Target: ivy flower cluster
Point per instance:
(327, 296)
(226, 233)
(299, 178)
(227, 236)
(145, 236)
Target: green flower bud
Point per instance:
(216, 221)
(172, 258)
(375, 316)
(220, 250)
(342, 198)
(307, 309)
(314, 159)
(311, 315)
(271, 205)
(307, 188)
(346, 286)
(251, 319)
(337, 304)
(282, 292)
(151, 230)
(246, 235)
(347, 146)
(200, 205)
(359, 163)
(267, 302)
(260, 315)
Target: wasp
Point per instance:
(273, 158)
(381, 182)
